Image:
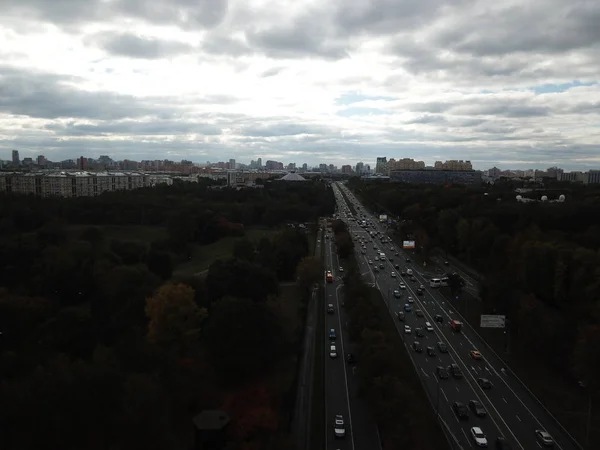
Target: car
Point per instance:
(332, 351)
(376, 269)
(407, 329)
(420, 332)
(502, 444)
(339, 427)
(442, 373)
(397, 267)
(363, 252)
(544, 438)
(330, 309)
(400, 316)
(376, 258)
(370, 261)
(446, 263)
(439, 318)
(455, 371)
(419, 291)
(350, 359)
(403, 273)
(332, 335)
(407, 307)
(477, 408)
(407, 260)
(410, 300)
(475, 355)
(422, 287)
(341, 269)
(417, 347)
(381, 266)
(391, 249)
(393, 274)
(419, 313)
(412, 278)
(396, 254)
(402, 286)
(484, 383)
(430, 351)
(397, 294)
(460, 410)
(479, 437)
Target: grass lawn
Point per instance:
(123, 232)
(204, 255)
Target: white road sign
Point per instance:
(492, 321)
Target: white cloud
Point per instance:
(303, 81)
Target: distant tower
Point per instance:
(15, 157)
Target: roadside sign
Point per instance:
(492, 321)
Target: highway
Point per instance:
(341, 383)
(512, 411)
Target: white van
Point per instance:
(428, 326)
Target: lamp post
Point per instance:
(437, 400)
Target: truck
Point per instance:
(456, 325)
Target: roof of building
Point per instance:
(293, 176)
(211, 419)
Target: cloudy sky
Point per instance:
(507, 83)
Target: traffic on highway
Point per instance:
(479, 401)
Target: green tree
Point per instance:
(173, 315)
(160, 264)
(309, 271)
(244, 249)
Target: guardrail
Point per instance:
(515, 376)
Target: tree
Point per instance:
(455, 283)
(309, 271)
(244, 338)
(160, 263)
(244, 249)
(239, 278)
(173, 314)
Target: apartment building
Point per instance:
(454, 165)
(76, 184)
(405, 164)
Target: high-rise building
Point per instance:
(15, 157)
(453, 164)
(381, 165)
(405, 164)
(259, 163)
(232, 164)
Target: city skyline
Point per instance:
(508, 85)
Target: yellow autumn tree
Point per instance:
(173, 314)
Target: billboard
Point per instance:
(383, 217)
(492, 321)
(408, 244)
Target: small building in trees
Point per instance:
(210, 429)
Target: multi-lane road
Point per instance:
(513, 413)
(341, 383)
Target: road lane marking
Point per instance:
(518, 418)
(466, 437)
(424, 373)
(444, 394)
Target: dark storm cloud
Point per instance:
(70, 14)
(133, 46)
(133, 128)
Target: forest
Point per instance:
(102, 346)
(538, 262)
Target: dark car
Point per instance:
(439, 318)
(419, 291)
(484, 383)
(419, 313)
(503, 444)
(460, 410)
(442, 373)
(400, 316)
(420, 332)
(407, 260)
(477, 408)
(430, 351)
(403, 273)
(442, 347)
(417, 347)
(455, 371)
(397, 267)
(350, 358)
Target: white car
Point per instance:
(402, 286)
(407, 329)
(339, 428)
(479, 437)
(393, 274)
(376, 258)
(370, 262)
(410, 300)
(332, 351)
(341, 269)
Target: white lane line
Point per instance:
(424, 373)
(504, 400)
(518, 418)
(466, 437)
(444, 394)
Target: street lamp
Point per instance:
(437, 400)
